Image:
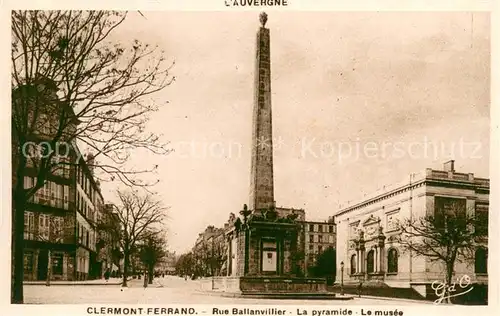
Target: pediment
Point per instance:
(354, 224)
(371, 220)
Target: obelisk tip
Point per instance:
(263, 19)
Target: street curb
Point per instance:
(296, 296)
(72, 283)
(395, 300)
(69, 283)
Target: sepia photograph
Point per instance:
(261, 158)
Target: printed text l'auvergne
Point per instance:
(256, 3)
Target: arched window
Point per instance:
(481, 261)
(370, 261)
(353, 264)
(392, 261)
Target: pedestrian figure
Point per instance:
(145, 279)
(360, 285)
(106, 275)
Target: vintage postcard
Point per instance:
(249, 157)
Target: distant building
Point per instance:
(167, 265)
(110, 252)
(367, 230)
(207, 247)
(319, 236)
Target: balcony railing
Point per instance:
(49, 201)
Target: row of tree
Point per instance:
(140, 233)
(208, 259)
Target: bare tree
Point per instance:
(218, 255)
(72, 85)
(138, 216)
(449, 236)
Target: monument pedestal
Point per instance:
(276, 287)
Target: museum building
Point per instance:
(367, 231)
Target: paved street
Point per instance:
(168, 290)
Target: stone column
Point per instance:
(358, 260)
(361, 260)
(229, 265)
(382, 259)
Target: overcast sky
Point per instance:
(380, 81)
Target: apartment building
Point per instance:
(208, 250)
(60, 219)
(319, 236)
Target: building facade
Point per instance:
(60, 219)
(319, 237)
(167, 265)
(367, 230)
(209, 252)
(61, 235)
(110, 251)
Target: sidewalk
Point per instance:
(111, 281)
(140, 283)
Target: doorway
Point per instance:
(43, 260)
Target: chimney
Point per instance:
(91, 162)
(449, 166)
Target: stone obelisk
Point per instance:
(262, 182)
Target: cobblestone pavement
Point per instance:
(168, 290)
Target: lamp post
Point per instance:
(245, 213)
(342, 278)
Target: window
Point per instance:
(58, 229)
(331, 239)
(370, 262)
(320, 238)
(311, 227)
(43, 124)
(311, 248)
(28, 262)
(82, 233)
(481, 261)
(353, 264)
(330, 229)
(450, 211)
(482, 222)
(320, 228)
(392, 261)
(392, 220)
(43, 226)
(320, 249)
(57, 264)
(66, 196)
(29, 225)
(28, 182)
(311, 238)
